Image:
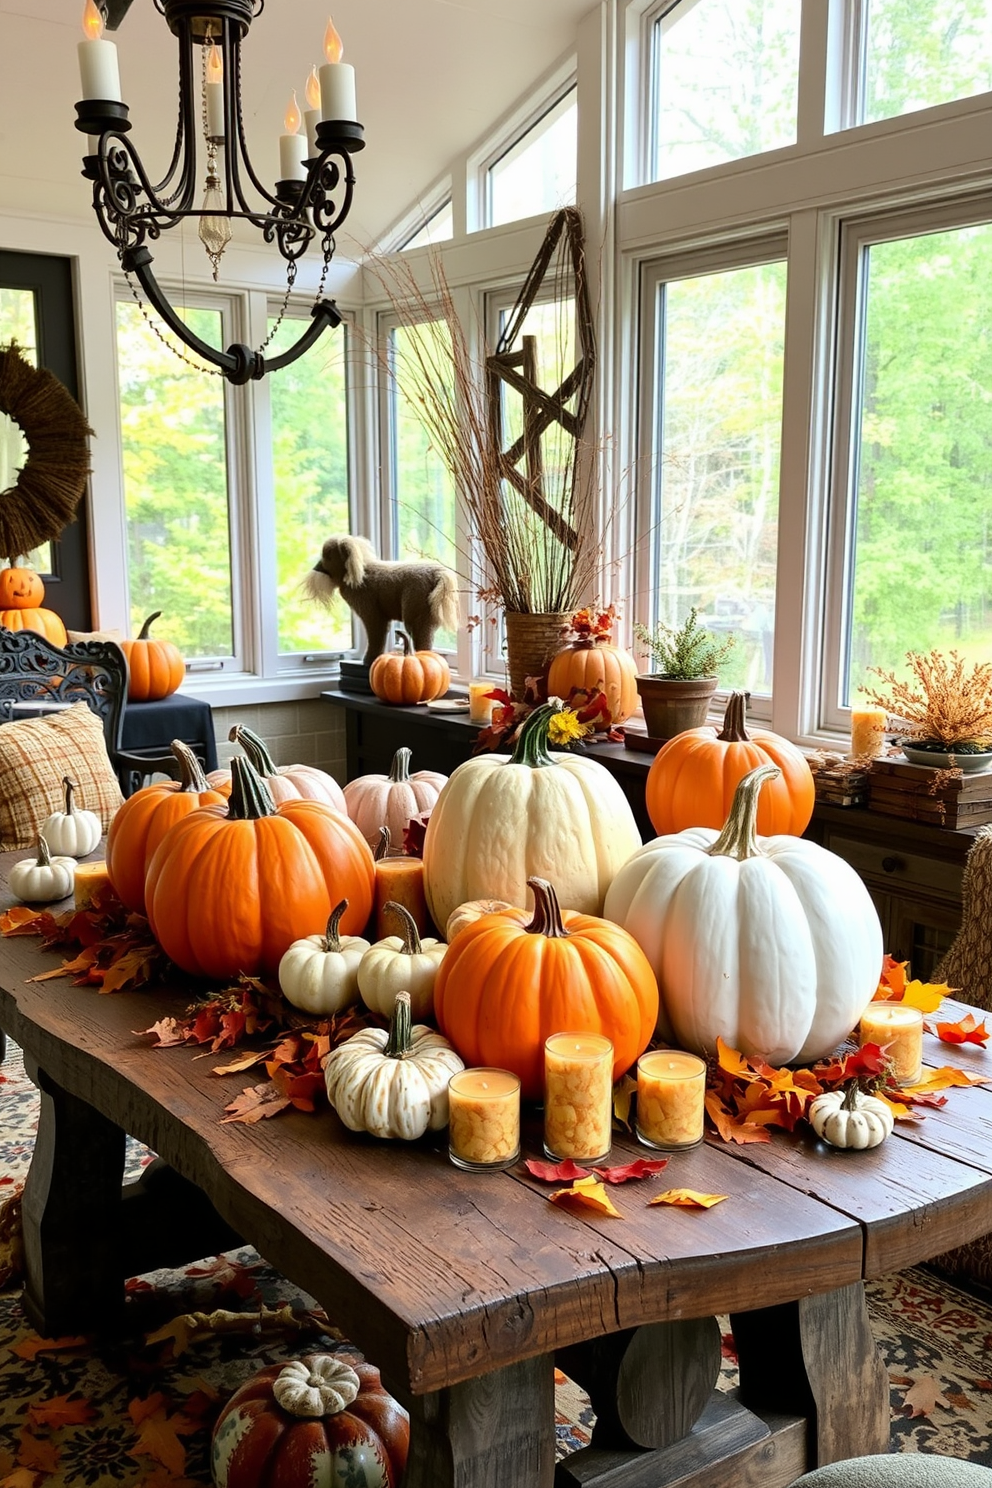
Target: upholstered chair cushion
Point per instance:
(900, 1470)
(35, 755)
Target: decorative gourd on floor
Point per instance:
(503, 819)
(375, 801)
(323, 1419)
(143, 820)
(693, 777)
(155, 668)
(401, 963)
(73, 832)
(21, 596)
(284, 782)
(770, 943)
(512, 979)
(319, 974)
(406, 677)
(230, 888)
(592, 661)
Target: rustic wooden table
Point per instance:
(465, 1289)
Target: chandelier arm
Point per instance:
(325, 316)
(323, 179)
(119, 194)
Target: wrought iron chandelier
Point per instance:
(309, 203)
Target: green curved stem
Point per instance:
(411, 936)
(532, 745)
(254, 747)
(399, 773)
(250, 796)
(547, 911)
(739, 838)
(192, 779)
(144, 633)
(400, 1028)
(44, 858)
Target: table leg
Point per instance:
(491, 1432)
(818, 1357)
(74, 1276)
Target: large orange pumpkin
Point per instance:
(143, 820)
(693, 777)
(406, 676)
(21, 594)
(230, 888)
(155, 668)
(593, 663)
(510, 980)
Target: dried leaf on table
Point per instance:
(892, 982)
(730, 1127)
(560, 1172)
(641, 1167)
(19, 914)
(30, 1348)
(925, 996)
(236, 1066)
(167, 1032)
(967, 1030)
(923, 1397)
(255, 1103)
(61, 1410)
(945, 1078)
(688, 1198)
(586, 1193)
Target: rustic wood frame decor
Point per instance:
(44, 498)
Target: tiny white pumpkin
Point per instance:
(404, 963)
(72, 832)
(472, 910)
(44, 879)
(395, 1083)
(319, 1386)
(850, 1119)
(319, 974)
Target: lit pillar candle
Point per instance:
(292, 146)
(214, 93)
(578, 1096)
(311, 115)
(400, 880)
(899, 1030)
(337, 80)
(480, 707)
(98, 70)
(867, 732)
(92, 882)
(671, 1090)
(483, 1119)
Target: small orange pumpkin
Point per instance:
(595, 663)
(407, 676)
(155, 668)
(21, 594)
(692, 779)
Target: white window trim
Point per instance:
(513, 128)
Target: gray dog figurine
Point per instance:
(423, 596)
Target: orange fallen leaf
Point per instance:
(732, 1062)
(560, 1172)
(733, 1128)
(945, 1078)
(925, 996)
(587, 1193)
(140, 1410)
(32, 1347)
(41, 1456)
(967, 1030)
(21, 1477)
(255, 1103)
(243, 1062)
(61, 1410)
(158, 1439)
(923, 1396)
(20, 914)
(623, 1092)
(688, 1198)
(641, 1167)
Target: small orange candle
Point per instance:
(671, 1089)
(401, 880)
(91, 880)
(578, 1096)
(483, 1119)
(480, 707)
(899, 1030)
(867, 732)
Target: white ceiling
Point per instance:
(432, 77)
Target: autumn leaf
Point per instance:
(30, 1348)
(924, 996)
(623, 1093)
(158, 1435)
(732, 1062)
(945, 1078)
(83, 963)
(892, 982)
(586, 1193)
(688, 1198)
(12, 919)
(561, 1172)
(642, 1167)
(135, 968)
(730, 1127)
(21, 1477)
(923, 1397)
(167, 1032)
(305, 1091)
(967, 1031)
(255, 1103)
(61, 1410)
(41, 1456)
(243, 1062)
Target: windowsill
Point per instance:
(240, 690)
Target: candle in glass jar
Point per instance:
(867, 732)
(578, 1096)
(480, 707)
(483, 1119)
(90, 880)
(671, 1090)
(401, 880)
(899, 1030)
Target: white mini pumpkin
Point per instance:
(850, 1119)
(72, 832)
(319, 1386)
(771, 943)
(395, 1083)
(376, 801)
(319, 974)
(401, 963)
(44, 879)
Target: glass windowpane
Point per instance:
(921, 55)
(537, 174)
(437, 229)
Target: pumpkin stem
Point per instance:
(734, 729)
(332, 940)
(532, 746)
(852, 1097)
(144, 633)
(250, 796)
(382, 846)
(254, 747)
(68, 786)
(411, 936)
(399, 774)
(739, 839)
(547, 911)
(192, 779)
(44, 852)
(404, 641)
(400, 1028)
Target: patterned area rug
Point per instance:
(137, 1413)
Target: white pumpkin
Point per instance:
(467, 914)
(375, 801)
(44, 879)
(285, 782)
(72, 832)
(501, 820)
(401, 963)
(395, 1083)
(770, 943)
(850, 1119)
(319, 974)
(319, 1386)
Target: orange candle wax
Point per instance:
(578, 1096)
(480, 707)
(483, 1118)
(867, 732)
(91, 879)
(899, 1030)
(671, 1088)
(401, 880)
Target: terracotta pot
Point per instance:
(531, 642)
(673, 704)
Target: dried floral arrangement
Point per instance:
(684, 651)
(950, 705)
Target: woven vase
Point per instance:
(531, 641)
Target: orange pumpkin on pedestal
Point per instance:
(21, 594)
(155, 668)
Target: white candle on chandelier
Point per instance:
(292, 146)
(311, 115)
(337, 80)
(98, 70)
(214, 93)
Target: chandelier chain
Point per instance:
(166, 342)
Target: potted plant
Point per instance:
(946, 717)
(676, 695)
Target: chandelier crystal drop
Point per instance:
(305, 206)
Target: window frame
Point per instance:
(541, 105)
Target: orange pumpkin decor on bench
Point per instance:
(155, 668)
(591, 661)
(21, 595)
(407, 676)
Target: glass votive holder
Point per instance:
(480, 707)
(671, 1091)
(578, 1096)
(899, 1030)
(483, 1119)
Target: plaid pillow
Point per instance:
(35, 753)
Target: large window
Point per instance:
(919, 55)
